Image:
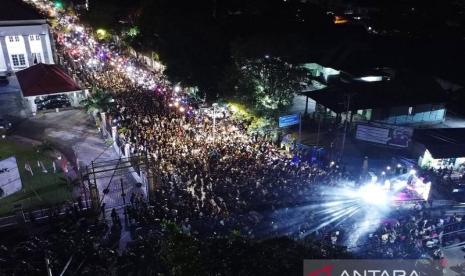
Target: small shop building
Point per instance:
(441, 148)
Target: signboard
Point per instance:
(289, 120)
(10, 181)
(388, 135)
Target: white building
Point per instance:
(24, 37)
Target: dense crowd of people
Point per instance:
(208, 172)
(212, 178)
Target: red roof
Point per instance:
(44, 79)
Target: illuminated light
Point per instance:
(399, 166)
(399, 185)
(373, 194)
(176, 104)
(413, 172)
(340, 20)
(170, 105)
(182, 109)
(177, 89)
(101, 34)
(233, 108)
(383, 173)
(58, 5)
(388, 168)
(332, 163)
(371, 78)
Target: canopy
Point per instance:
(45, 79)
(405, 89)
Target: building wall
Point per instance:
(24, 43)
(3, 62)
(16, 52)
(409, 115)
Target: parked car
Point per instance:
(53, 103)
(50, 97)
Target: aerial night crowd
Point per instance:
(214, 179)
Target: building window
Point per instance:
(37, 58)
(34, 37)
(13, 38)
(22, 60)
(15, 60)
(18, 60)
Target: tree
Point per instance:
(98, 101)
(268, 84)
(188, 40)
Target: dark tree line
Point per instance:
(200, 40)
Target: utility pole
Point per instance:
(345, 127)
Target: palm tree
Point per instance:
(97, 102)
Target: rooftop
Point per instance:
(45, 79)
(404, 89)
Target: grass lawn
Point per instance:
(39, 190)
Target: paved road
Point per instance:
(74, 134)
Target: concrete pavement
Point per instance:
(74, 133)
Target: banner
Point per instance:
(392, 267)
(388, 135)
(289, 120)
(10, 181)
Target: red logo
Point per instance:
(326, 271)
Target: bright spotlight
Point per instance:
(373, 194)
